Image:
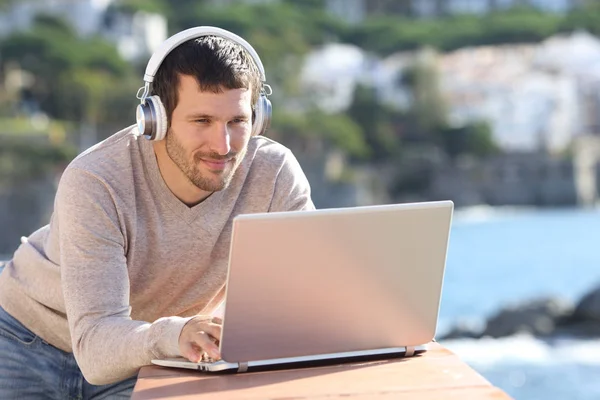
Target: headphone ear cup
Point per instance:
(142, 113)
(160, 118)
(262, 116)
(152, 118)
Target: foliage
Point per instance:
(4, 4)
(390, 34)
(428, 110)
(66, 68)
(336, 129)
(40, 126)
(587, 18)
(474, 138)
(385, 35)
(132, 6)
(23, 158)
(377, 122)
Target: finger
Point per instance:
(205, 342)
(202, 318)
(192, 352)
(212, 329)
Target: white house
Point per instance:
(136, 36)
(534, 95)
(330, 74)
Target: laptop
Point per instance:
(330, 286)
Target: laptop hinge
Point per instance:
(410, 351)
(242, 367)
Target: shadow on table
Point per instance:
(181, 385)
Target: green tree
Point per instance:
(150, 6)
(336, 130)
(584, 18)
(474, 139)
(428, 109)
(4, 4)
(377, 122)
(386, 34)
(71, 73)
(22, 159)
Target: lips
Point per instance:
(216, 164)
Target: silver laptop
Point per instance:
(331, 285)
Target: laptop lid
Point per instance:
(334, 280)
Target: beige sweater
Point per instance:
(123, 263)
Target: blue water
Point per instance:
(501, 257)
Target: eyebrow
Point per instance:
(208, 116)
(199, 116)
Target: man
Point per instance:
(134, 258)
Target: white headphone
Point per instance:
(150, 113)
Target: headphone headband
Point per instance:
(193, 33)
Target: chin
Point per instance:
(215, 184)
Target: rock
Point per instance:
(547, 318)
(538, 317)
(462, 330)
(582, 329)
(588, 308)
(585, 319)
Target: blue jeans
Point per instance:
(30, 368)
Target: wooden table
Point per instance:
(437, 374)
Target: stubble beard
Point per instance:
(208, 181)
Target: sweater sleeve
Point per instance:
(108, 345)
(292, 190)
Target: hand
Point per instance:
(200, 334)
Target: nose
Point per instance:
(221, 142)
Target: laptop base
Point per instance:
(293, 362)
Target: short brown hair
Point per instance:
(215, 62)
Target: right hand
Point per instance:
(200, 334)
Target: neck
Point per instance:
(177, 182)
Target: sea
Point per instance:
(505, 256)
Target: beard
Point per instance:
(209, 181)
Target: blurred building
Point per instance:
(535, 96)
(135, 35)
(331, 73)
(354, 11)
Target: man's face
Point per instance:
(209, 133)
